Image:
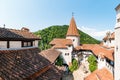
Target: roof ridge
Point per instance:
(98, 77)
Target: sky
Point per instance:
(95, 17)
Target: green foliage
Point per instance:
(92, 63)
(52, 32)
(91, 59)
(59, 61)
(92, 67)
(74, 65)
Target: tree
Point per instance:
(91, 59)
(59, 61)
(74, 65)
(92, 63)
(48, 34)
(92, 67)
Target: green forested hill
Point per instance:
(51, 32)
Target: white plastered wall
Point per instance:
(75, 40)
(67, 58)
(35, 43)
(15, 44)
(117, 47)
(3, 44)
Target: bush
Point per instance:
(92, 67)
(59, 61)
(92, 63)
(74, 65)
(91, 59)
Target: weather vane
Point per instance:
(4, 25)
(72, 13)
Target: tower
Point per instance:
(117, 44)
(72, 33)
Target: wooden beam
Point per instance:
(37, 74)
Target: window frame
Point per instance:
(27, 43)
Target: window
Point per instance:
(69, 45)
(118, 20)
(73, 39)
(116, 48)
(27, 43)
(66, 54)
(105, 41)
(102, 59)
(110, 41)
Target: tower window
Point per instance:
(118, 20)
(66, 54)
(116, 48)
(105, 41)
(69, 45)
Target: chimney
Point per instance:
(24, 29)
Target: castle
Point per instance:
(107, 54)
(19, 50)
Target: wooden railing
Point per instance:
(109, 67)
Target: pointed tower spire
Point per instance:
(72, 30)
(72, 33)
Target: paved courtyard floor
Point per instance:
(82, 71)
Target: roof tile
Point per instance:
(20, 64)
(50, 54)
(98, 50)
(102, 74)
(61, 43)
(13, 34)
(111, 36)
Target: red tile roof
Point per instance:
(1, 78)
(118, 7)
(52, 74)
(72, 30)
(24, 64)
(13, 34)
(111, 36)
(61, 43)
(101, 74)
(98, 50)
(50, 54)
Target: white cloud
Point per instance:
(94, 32)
